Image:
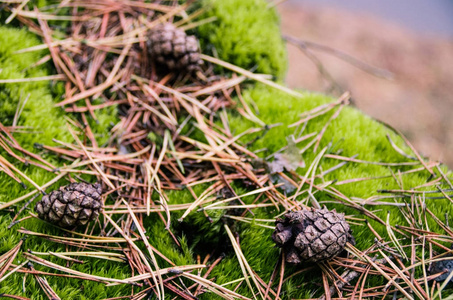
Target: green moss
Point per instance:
(352, 133)
(246, 34)
(47, 124)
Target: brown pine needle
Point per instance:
(42, 281)
(91, 91)
(7, 259)
(49, 264)
(215, 288)
(5, 162)
(321, 110)
(250, 75)
(161, 293)
(34, 79)
(246, 269)
(22, 198)
(350, 159)
(118, 257)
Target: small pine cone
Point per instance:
(174, 49)
(312, 235)
(70, 206)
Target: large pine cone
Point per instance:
(174, 49)
(312, 235)
(70, 206)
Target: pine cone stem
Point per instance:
(284, 236)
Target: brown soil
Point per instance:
(418, 101)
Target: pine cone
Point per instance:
(312, 235)
(72, 205)
(174, 49)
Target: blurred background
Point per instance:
(413, 39)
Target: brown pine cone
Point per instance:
(312, 235)
(70, 206)
(171, 47)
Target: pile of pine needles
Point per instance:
(174, 134)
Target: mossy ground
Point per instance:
(246, 33)
(249, 40)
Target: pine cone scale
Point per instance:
(328, 238)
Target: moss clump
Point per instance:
(49, 122)
(246, 33)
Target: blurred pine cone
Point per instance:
(70, 206)
(171, 47)
(312, 235)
